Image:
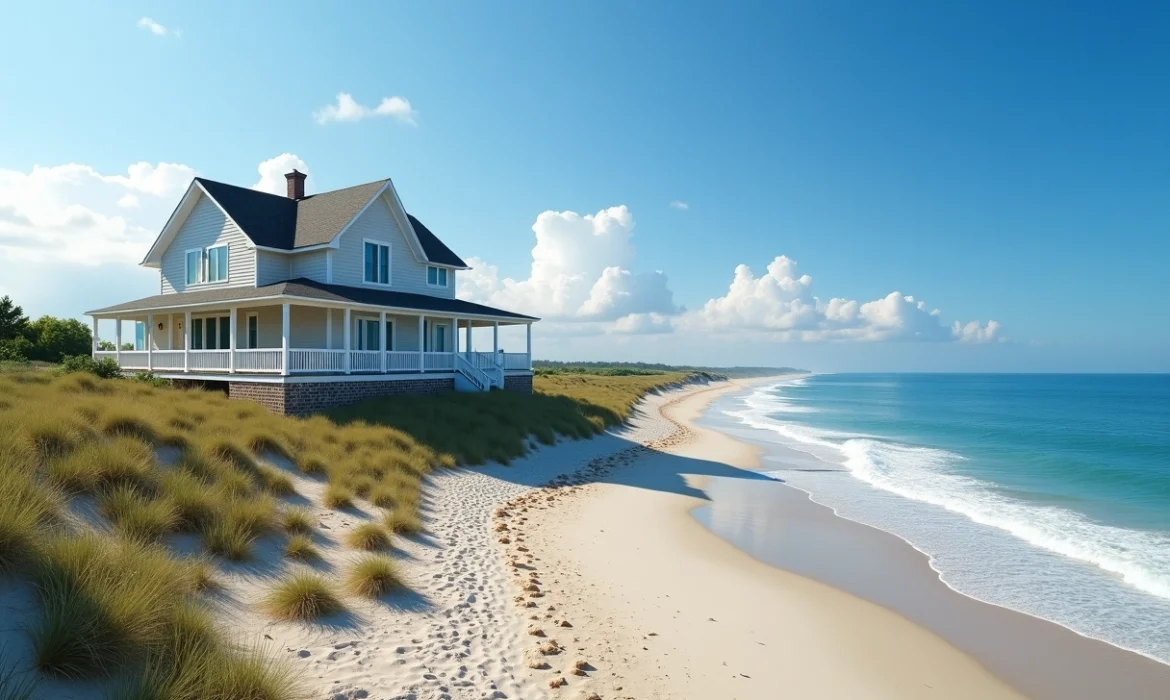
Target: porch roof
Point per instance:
(310, 290)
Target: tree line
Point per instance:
(47, 339)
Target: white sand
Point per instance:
(655, 606)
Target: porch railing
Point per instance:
(259, 360)
(311, 360)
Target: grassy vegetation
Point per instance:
(368, 536)
(303, 597)
(119, 607)
(372, 576)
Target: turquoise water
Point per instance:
(1049, 494)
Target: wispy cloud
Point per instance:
(680, 205)
(348, 109)
(157, 29)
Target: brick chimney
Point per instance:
(296, 184)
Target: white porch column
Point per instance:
(382, 340)
(285, 331)
(94, 343)
(170, 331)
(232, 345)
(186, 340)
(421, 343)
(149, 342)
(328, 328)
(496, 342)
(118, 341)
(528, 343)
(467, 351)
(455, 334)
(346, 335)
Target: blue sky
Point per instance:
(995, 161)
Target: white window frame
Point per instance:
(207, 264)
(389, 263)
(247, 330)
(446, 272)
(186, 266)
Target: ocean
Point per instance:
(1047, 494)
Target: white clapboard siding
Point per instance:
(310, 265)
(208, 226)
(271, 267)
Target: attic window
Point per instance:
(436, 276)
(377, 263)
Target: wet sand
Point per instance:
(781, 526)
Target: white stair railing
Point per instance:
(474, 374)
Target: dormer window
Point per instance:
(436, 276)
(377, 263)
(206, 266)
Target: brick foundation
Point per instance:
(521, 383)
(301, 398)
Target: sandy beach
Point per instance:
(581, 572)
(664, 609)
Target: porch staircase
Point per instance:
(468, 377)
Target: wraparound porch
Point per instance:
(285, 339)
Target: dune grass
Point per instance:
(116, 605)
(300, 547)
(370, 537)
(302, 597)
(297, 521)
(372, 576)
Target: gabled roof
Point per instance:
(279, 223)
(302, 288)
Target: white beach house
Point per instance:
(301, 302)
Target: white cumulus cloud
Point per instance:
(580, 271)
(155, 28)
(680, 205)
(273, 170)
(74, 213)
(347, 109)
(642, 324)
(782, 304)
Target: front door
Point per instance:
(440, 342)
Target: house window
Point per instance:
(211, 333)
(194, 266)
(217, 264)
(253, 331)
(377, 263)
(367, 334)
(436, 276)
(209, 265)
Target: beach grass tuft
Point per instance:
(370, 537)
(136, 515)
(403, 522)
(297, 521)
(372, 576)
(300, 547)
(302, 597)
(337, 497)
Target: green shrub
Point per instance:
(106, 368)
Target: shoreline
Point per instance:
(663, 608)
(1042, 658)
(946, 641)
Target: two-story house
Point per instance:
(301, 302)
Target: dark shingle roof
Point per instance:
(273, 221)
(436, 251)
(311, 289)
(320, 217)
(267, 219)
